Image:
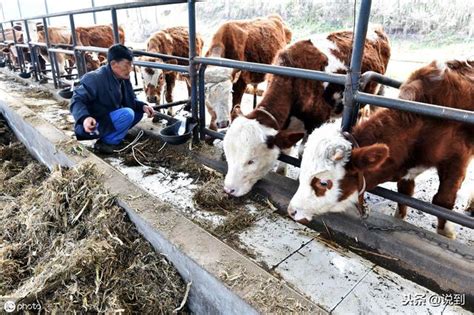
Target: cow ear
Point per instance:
(412, 91)
(370, 157)
(236, 112)
(102, 59)
(6, 50)
(40, 27)
(285, 139)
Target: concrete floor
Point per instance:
(336, 279)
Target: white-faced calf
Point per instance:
(253, 142)
(393, 146)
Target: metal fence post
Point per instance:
(115, 26)
(33, 57)
(77, 55)
(18, 51)
(351, 108)
(52, 58)
(192, 64)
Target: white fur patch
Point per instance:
(151, 79)
(316, 162)
(248, 156)
(412, 173)
(325, 46)
(372, 35)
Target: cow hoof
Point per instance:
(448, 231)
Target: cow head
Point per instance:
(153, 79)
(328, 180)
(92, 61)
(251, 149)
(218, 91)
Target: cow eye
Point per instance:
(250, 162)
(324, 183)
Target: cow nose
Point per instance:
(223, 124)
(229, 191)
(152, 99)
(292, 212)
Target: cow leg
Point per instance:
(238, 91)
(451, 175)
(281, 166)
(406, 187)
(212, 125)
(170, 82)
(470, 206)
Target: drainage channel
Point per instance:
(339, 280)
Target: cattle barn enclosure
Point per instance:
(451, 271)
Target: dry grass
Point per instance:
(64, 243)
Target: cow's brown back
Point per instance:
(173, 41)
(98, 35)
(256, 40)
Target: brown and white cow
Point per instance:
(96, 35)
(99, 36)
(393, 146)
(253, 142)
(256, 40)
(57, 35)
(171, 41)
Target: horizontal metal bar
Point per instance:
(104, 8)
(168, 105)
(263, 68)
(417, 107)
(214, 134)
(62, 51)
(290, 160)
(22, 45)
(160, 65)
(39, 44)
(92, 48)
(164, 116)
(424, 206)
(379, 78)
(158, 55)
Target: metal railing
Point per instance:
(352, 81)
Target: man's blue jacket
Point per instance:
(98, 94)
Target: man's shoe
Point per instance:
(105, 148)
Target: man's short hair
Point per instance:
(118, 52)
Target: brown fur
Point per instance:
(255, 40)
(57, 35)
(171, 41)
(419, 141)
(307, 100)
(99, 36)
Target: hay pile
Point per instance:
(65, 244)
(211, 197)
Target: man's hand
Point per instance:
(89, 124)
(148, 110)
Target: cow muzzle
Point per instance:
(222, 124)
(152, 99)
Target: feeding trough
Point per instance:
(178, 132)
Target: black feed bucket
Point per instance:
(172, 135)
(25, 75)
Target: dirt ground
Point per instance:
(66, 246)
